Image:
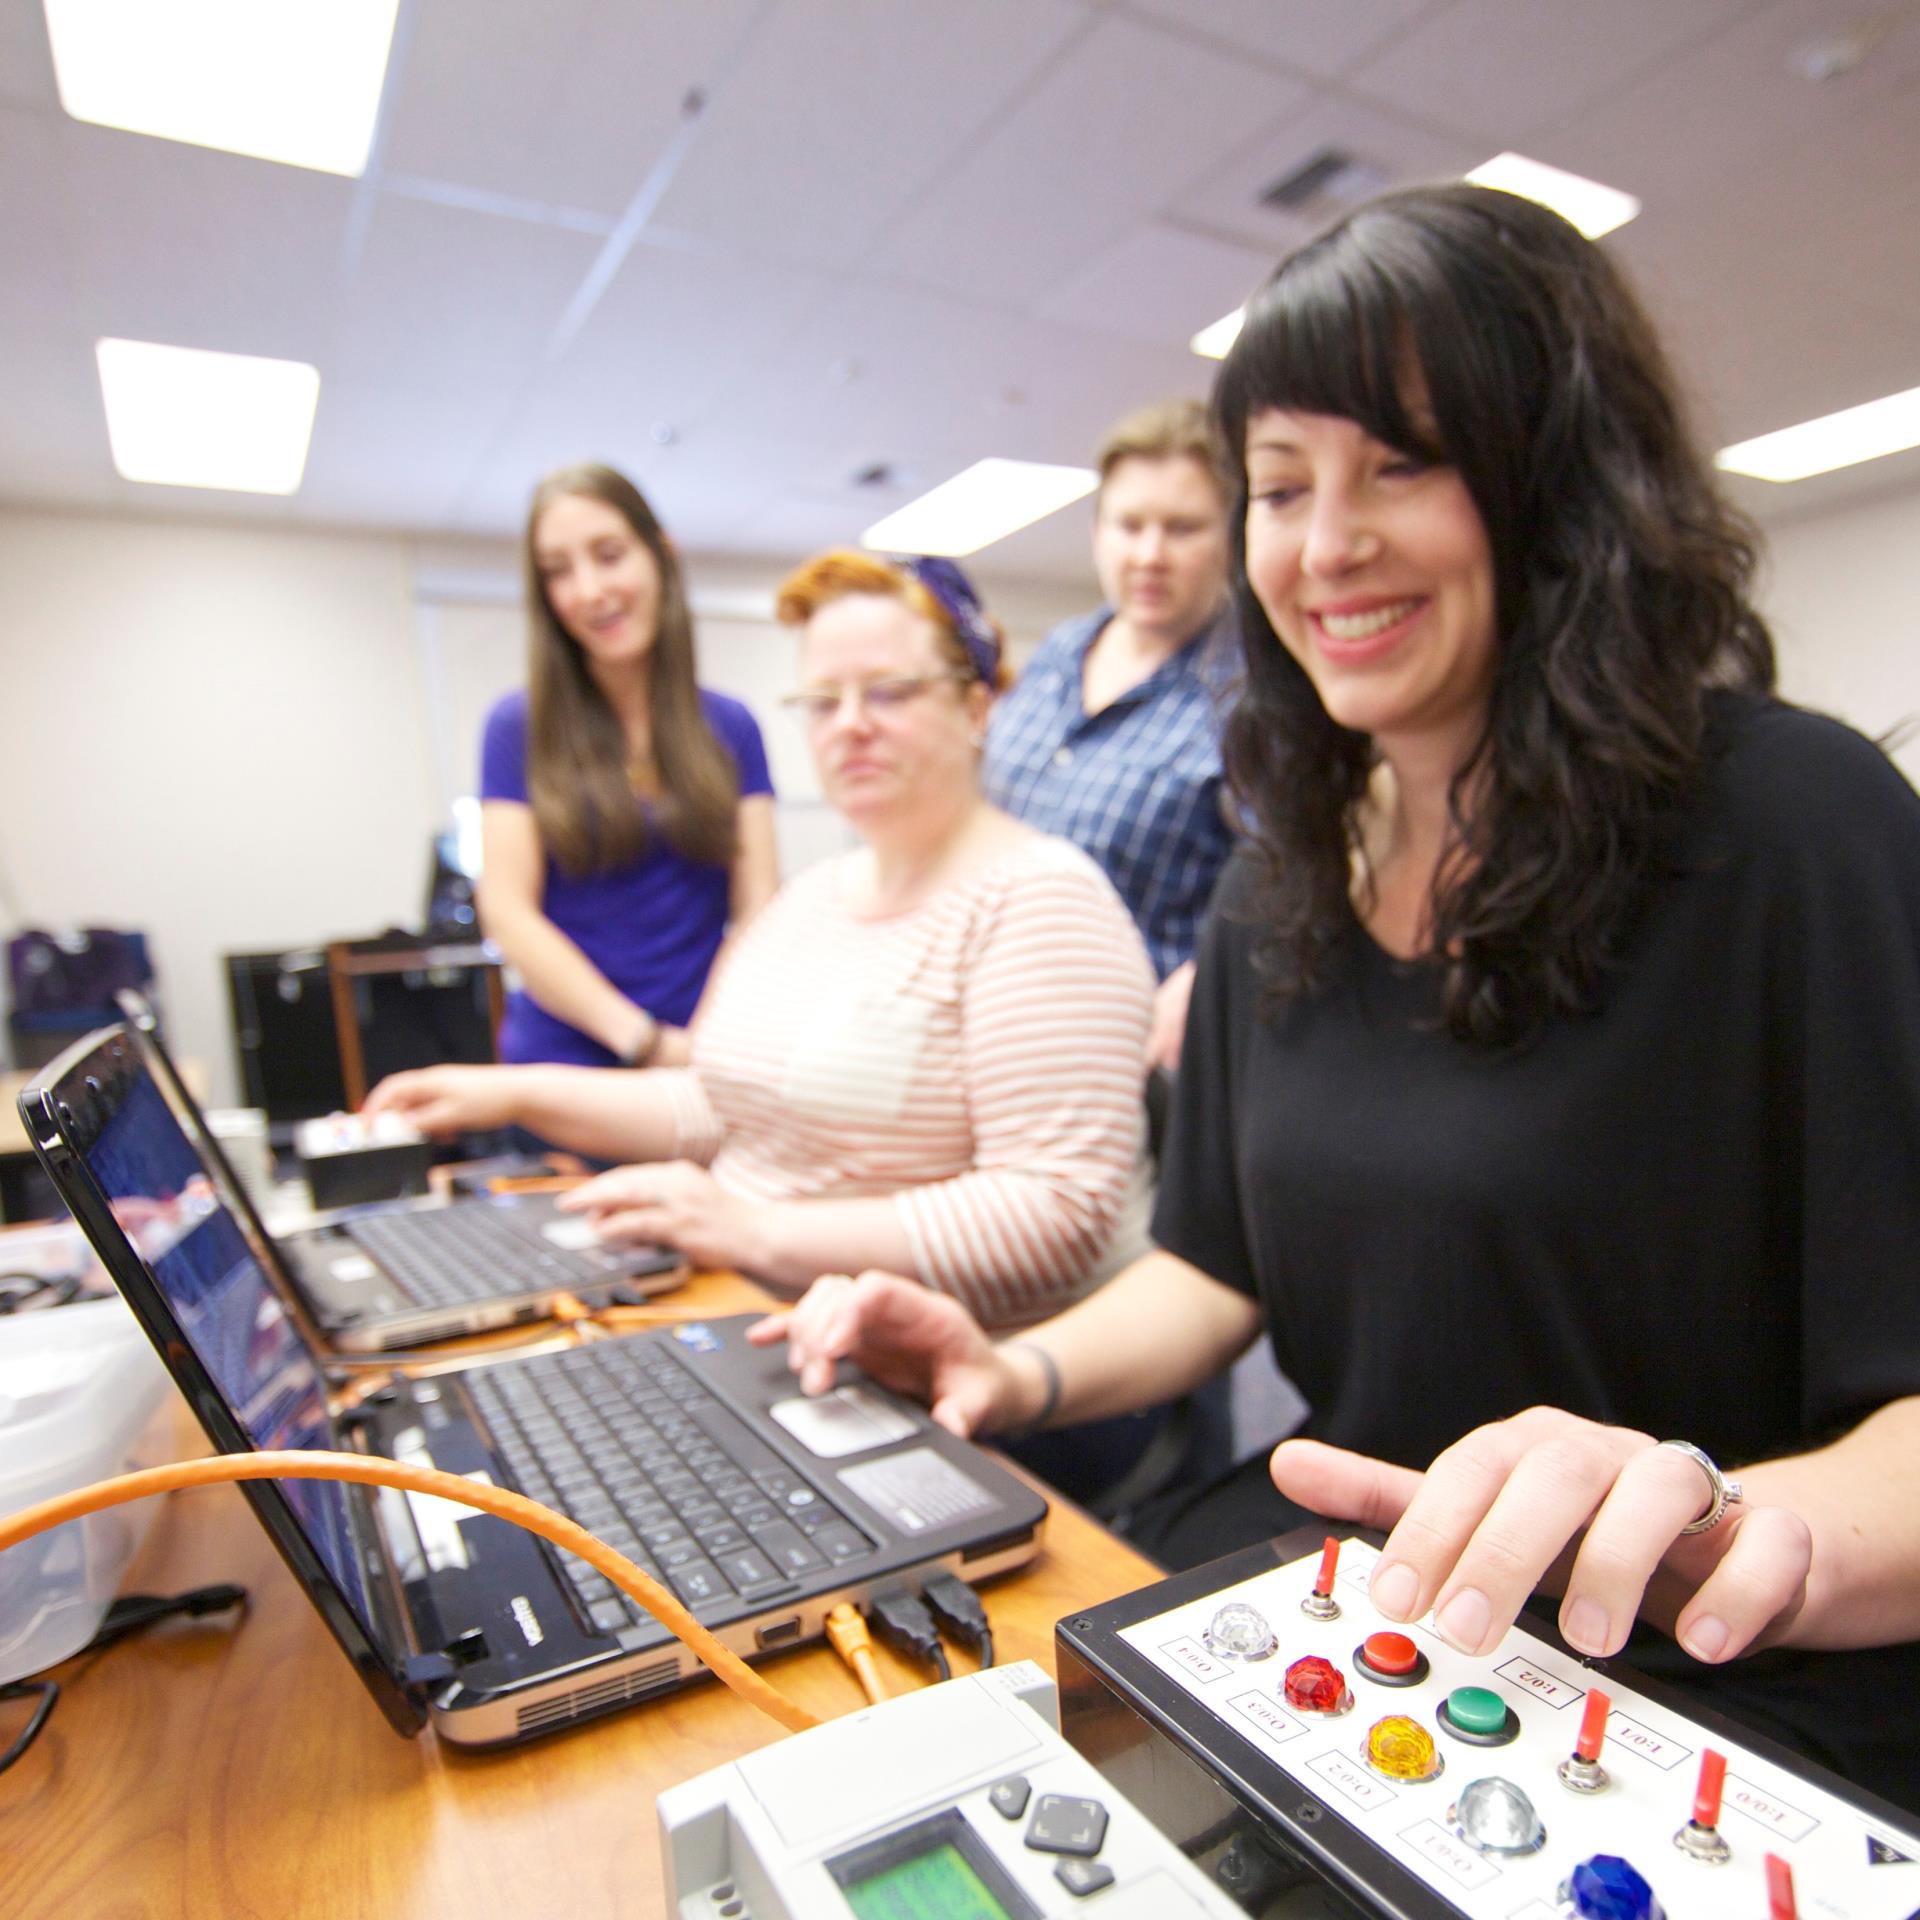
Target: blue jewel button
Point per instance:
(1607, 1888)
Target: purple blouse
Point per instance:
(652, 926)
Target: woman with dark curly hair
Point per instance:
(1553, 1075)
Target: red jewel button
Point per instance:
(1390, 1653)
(1315, 1685)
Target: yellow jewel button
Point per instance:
(1401, 1749)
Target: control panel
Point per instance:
(1524, 1785)
(959, 1802)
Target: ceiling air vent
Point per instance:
(1332, 177)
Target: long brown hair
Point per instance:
(579, 778)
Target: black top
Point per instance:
(1696, 1212)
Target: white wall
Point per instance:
(1843, 592)
(240, 739)
(212, 735)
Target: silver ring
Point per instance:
(1724, 1493)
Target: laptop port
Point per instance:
(777, 1633)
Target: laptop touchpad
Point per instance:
(847, 1420)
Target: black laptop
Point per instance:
(687, 1449)
(403, 1273)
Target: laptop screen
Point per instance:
(225, 1305)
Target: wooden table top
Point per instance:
(212, 1769)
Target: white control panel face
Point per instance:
(960, 1802)
(1843, 1866)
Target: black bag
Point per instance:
(69, 979)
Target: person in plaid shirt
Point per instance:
(1111, 736)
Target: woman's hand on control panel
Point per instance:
(1593, 1512)
(907, 1337)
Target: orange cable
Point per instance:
(727, 1667)
(848, 1633)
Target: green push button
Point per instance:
(1476, 1710)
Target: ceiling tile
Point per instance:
(930, 374)
(569, 102)
(1735, 103)
(1402, 151)
(1160, 284)
(194, 248)
(1072, 167)
(26, 61)
(1320, 37)
(395, 452)
(673, 334)
(444, 297)
(1502, 70)
(35, 291)
(820, 139)
(55, 443)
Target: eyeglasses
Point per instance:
(817, 705)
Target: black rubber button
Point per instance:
(1010, 1796)
(1082, 1877)
(1064, 1824)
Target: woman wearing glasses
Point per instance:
(923, 1055)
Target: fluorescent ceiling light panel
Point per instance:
(1214, 341)
(990, 500)
(1592, 208)
(1834, 440)
(296, 81)
(177, 417)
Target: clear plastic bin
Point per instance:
(83, 1397)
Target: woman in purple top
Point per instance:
(626, 812)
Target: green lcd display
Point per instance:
(936, 1884)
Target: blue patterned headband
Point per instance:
(961, 604)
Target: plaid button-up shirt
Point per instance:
(1137, 785)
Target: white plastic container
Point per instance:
(83, 1396)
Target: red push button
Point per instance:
(1390, 1652)
(1390, 1660)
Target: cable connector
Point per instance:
(848, 1633)
(957, 1608)
(901, 1619)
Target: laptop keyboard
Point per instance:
(623, 1438)
(447, 1255)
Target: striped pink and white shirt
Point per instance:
(978, 1057)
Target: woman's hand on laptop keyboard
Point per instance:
(674, 1203)
(918, 1342)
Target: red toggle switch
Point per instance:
(1329, 1559)
(1593, 1727)
(1780, 1900)
(1706, 1796)
(1581, 1771)
(1320, 1603)
(1701, 1838)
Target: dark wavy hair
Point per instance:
(1621, 582)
